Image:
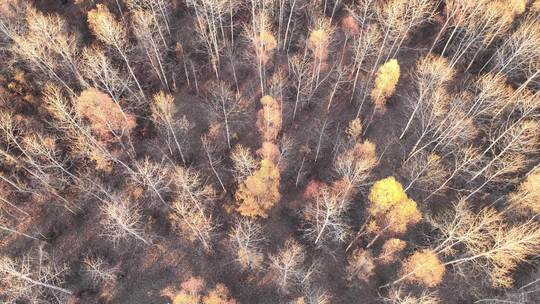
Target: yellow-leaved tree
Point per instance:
(390, 210)
(259, 192)
(384, 194)
(319, 40)
(385, 83)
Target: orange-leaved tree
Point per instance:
(318, 43)
(259, 192)
(195, 291)
(423, 267)
(107, 120)
(390, 250)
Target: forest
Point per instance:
(270, 151)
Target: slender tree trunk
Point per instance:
(34, 282)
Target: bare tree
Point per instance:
(244, 163)
(154, 178)
(112, 33)
(397, 295)
(473, 28)
(325, 217)
(224, 106)
(210, 18)
(459, 164)
(431, 74)
(526, 198)
(122, 221)
(486, 244)
(247, 238)
(399, 17)
(318, 46)
(37, 156)
(527, 292)
(299, 70)
(425, 171)
(160, 10)
(287, 266)
(97, 67)
(314, 296)
(396, 18)
(5, 226)
(445, 125)
(364, 44)
(361, 266)
(211, 149)
(191, 211)
(516, 54)
(174, 130)
(262, 44)
(353, 166)
(60, 56)
(507, 153)
(151, 41)
(34, 278)
(6, 203)
(99, 271)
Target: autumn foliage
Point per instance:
(319, 40)
(390, 250)
(385, 83)
(384, 194)
(106, 118)
(392, 210)
(423, 267)
(526, 198)
(259, 192)
(105, 26)
(263, 41)
(194, 291)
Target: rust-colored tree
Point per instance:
(106, 118)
